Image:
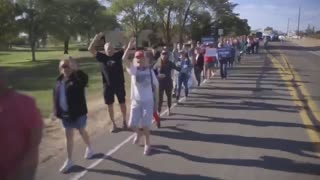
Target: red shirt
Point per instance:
(18, 116)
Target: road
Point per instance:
(248, 127)
(305, 62)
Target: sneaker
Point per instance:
(124, 125)
(147, 150)
(66, 166)
(136, 139)
(113, 129)
(169, 112)
(88, 154)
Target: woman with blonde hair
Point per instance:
(71, 107)
(144, 86)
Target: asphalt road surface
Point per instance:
(305, 61)
(245, 128)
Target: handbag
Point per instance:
(155, 105)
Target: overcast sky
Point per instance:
(275, 13)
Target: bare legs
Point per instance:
(123, 109)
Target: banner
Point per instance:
(225, 52)
(206, 40)
(211, 52)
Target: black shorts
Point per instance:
(110, 91)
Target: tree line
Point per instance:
(61, 19)
(189, 19)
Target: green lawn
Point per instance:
(38, 78)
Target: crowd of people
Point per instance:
(154, 72)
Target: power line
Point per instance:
(288, 26)
(298, 32)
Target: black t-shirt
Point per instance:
(112, 69)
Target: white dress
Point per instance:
(142, 97)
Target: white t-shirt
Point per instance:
(141, 89)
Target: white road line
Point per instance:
(116, 148)
(317, 53)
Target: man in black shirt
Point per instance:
(112, 77)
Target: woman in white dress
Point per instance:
(144, 86)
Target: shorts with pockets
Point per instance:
(141, 114)
(110, 91)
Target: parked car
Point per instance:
(282, 37)
(274, 37)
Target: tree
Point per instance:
(184, 9)
(94, 18)
(310, 30)
(164, 13)
(61, 20)
(32, 21)
(268, 29)
(69, 19)
(9, 26)
(216, 8)
(133, 13)
(172, 16)
(201, 25)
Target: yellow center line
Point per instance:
(310, 102)
(288, 76)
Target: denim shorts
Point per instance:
(80, 123)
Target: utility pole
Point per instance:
(288, 26)
(299, 20)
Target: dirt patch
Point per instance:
(53, 141)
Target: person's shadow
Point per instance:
(265, 162)
(291, 146)
(147, 173)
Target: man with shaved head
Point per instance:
(112, 76)
(20, 133)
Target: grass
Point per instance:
(38, 78)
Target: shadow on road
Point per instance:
(248, 122)
(244, 105)
(265, 162)
(146, 173)
(291, 146)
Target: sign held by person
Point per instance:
(211, 52)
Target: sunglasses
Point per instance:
(164, 53)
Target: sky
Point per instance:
(275, 13)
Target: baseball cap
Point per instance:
(139, 54)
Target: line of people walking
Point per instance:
(153, 73)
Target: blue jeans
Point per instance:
(183, 79)
(223, 68)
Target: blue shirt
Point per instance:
(185, 66)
